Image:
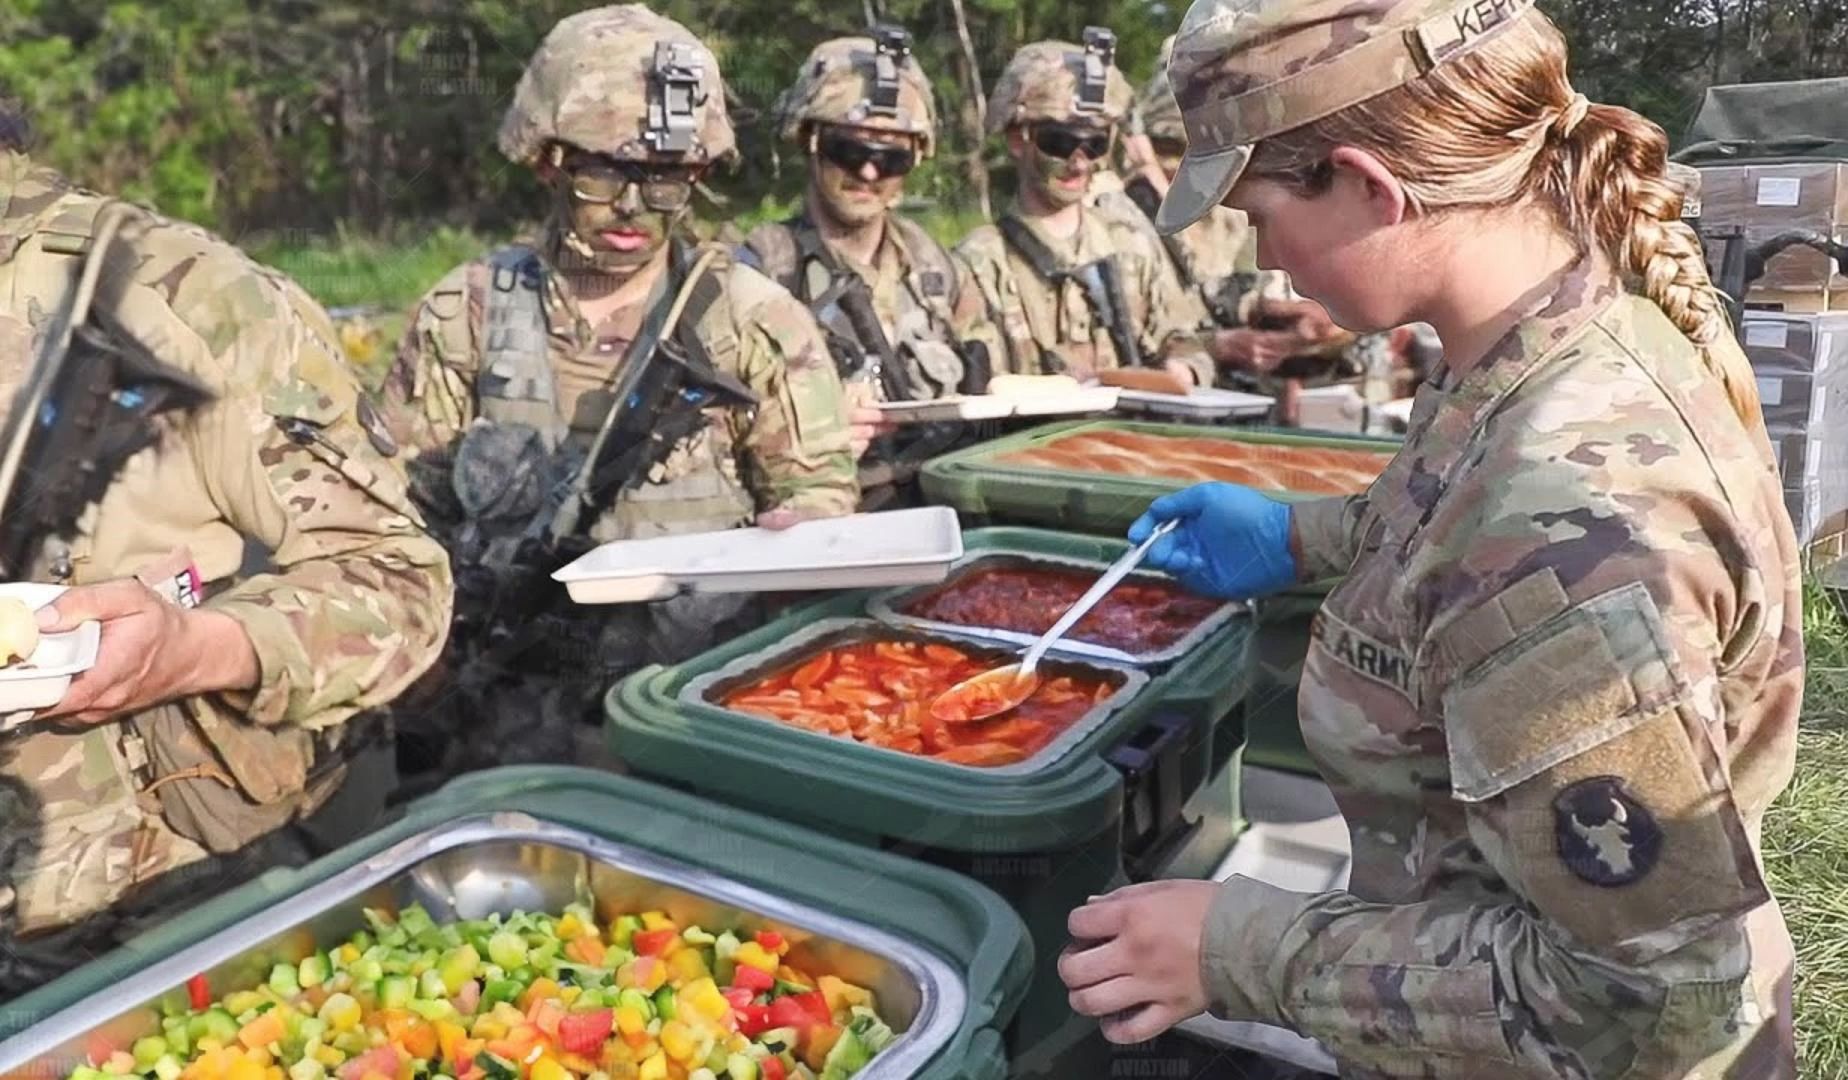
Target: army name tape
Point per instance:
(1351, 77)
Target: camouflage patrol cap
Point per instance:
(1043, 81)
(1246, 70)
(837, 86)
(622, 81)
(1155, 111)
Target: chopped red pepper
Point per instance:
(584, 1033)
(753, 1020)
(654, 942)
(772, 1069)
(199, 992)
(770, 940)
(801, 1011)
(739, 996)
(756, 980)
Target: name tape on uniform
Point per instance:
(1466, 24)
(1361, 654)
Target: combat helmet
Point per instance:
(621, 81)
(868, 82)
(1156, 113)
(1056, 80)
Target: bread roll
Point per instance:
(19, 632)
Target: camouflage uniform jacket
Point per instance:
(354, 609)
(791, 452)
(925, 301)
(1047, 328)
(1553, 696)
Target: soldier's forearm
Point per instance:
(1455, 989)
(226, 660)
(1325, 535)
(335, 635)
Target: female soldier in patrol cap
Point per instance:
(1559, 684)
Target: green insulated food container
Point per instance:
(947, 958)
(985, 489)
(1147, 787)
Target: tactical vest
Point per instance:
(793, 254)
(1049, 268)
(698, 486)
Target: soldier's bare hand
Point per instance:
(866, 423)
(1135, 963)
(152, 651)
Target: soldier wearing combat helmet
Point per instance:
(666, 387)
(1074, 289)
(164, 404)
(901, 317)
(1558, 685)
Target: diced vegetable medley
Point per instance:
(528, 997)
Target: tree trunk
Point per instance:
(976, 116)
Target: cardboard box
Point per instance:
(1769, 199)
(1795, 301)
(1800, 363)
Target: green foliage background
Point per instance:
(283, 118)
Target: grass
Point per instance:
(371, 283)
(347, 271)
(1806, 843)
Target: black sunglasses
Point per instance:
(854, 154)
(664, 188)
(1059, 141)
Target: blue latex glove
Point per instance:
(1231, 542)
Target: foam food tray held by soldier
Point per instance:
(1008, 395)
(38, 678)
(1200, 403)
(900, 547)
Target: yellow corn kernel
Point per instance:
(242, 1068)
(329, 1056)
(654, 1068)
(686, 965)
(548, 1069)
(737, 1044)
(486, 1027)
(208, 1045)
(570, 994)
(677, 1040)
(349, 954)
(629, 1020)
(757, 956)
(656, 920)
(569, 927)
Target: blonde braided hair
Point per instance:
(1503, 126)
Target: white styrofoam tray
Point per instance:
(1087, 399)
(1206, 403)
(41, 679)
(898, 547)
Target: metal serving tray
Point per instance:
(888, 607)
(500, 862)
(706, 690)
